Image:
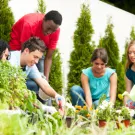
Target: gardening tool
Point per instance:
(131, 95)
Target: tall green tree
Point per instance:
(83, 47)
(55, 77)
(41, 6)
(6, 20)
(109, 43)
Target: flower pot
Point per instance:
(69, 120)
(102, 123)
(126, 122)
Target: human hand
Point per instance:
(130, 104)
(48, 109)
(59, 99)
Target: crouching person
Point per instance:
(96, 81)
(32, 51)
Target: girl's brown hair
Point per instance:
(100, 53)
(128, 63)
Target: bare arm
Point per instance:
(44, 85)
(113, 87)
(128, 88)
(48, 63)
(85, 85)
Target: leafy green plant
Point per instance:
(125, 113)
(13, 91)
(83, 111)
(105, 111)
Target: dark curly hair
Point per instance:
(55, 16)
(3, 46)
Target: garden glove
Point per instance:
(61, 98)
(48, 109)
(130, 104)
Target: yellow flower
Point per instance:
(84, 107)
(120, 96)
(78, 107)
(88, 115)
(96, 110)
(76, 111)
(90, 108)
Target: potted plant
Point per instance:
(69, 114)
(105, 112)
(124, 116)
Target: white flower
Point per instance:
(102, 107)
(68, 105)
(132, 112)
(118, 111)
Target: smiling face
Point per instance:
(98, 66)
(49, 27)
(131, 53)
(31, 58)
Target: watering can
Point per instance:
(131, 95)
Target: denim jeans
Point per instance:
(78, 96)
(31, 84)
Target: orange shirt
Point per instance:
(31, 25)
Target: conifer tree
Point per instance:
(55, 76)
(83, 47)
(109, 43)
(41, 6)
(6, 20)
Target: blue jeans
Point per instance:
(31, 84)
(78, 96)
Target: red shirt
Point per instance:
(31, 25)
